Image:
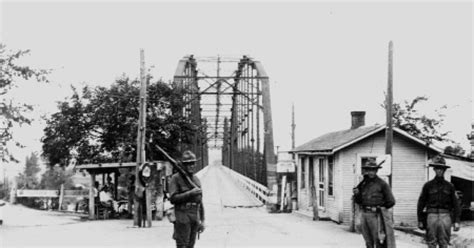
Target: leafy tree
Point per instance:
(67, 131)
(55, 176)
(455, 150)
(28, 179)
(100, 124)
(408, 118)
(12, 112)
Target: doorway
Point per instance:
(321, 183)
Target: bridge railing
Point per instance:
(258, 190)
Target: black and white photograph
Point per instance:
(236, 123)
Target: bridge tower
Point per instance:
(228, 102)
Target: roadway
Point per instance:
(234, 219)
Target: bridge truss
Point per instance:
(228, 101)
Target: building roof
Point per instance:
(334, 141)
(106, 165)
(461, 168)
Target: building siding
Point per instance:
(408, 174)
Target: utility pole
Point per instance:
(389, 108)
(137, 221)
(293, 126)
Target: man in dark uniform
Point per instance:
(374, 197)
(442, 207)
(187, 201)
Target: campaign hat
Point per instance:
(438, 162)
(371, 164)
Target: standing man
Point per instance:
(111, 187)
(442, 207)
(187, 201)
(375, 197)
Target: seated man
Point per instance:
(106, 199)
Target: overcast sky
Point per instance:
(327, 58)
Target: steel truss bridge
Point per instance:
(228, 100)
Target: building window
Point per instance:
(303, 173)
(330, 176)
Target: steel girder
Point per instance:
(246, 136)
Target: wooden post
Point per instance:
(13, 190)
(148, 206)
(293, 127)
(159, 199)
(116, 175)
(92, 197)
(61, 196)
(140, 137)
(389, 109)
(283, 191)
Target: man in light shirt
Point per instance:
(106, 199)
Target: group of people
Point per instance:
(438, 207)
(104, 196)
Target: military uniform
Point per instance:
(189, 211)
(374, 197)
(437, 208)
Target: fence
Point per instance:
(256, 189)
(50, 193)
(61, 194)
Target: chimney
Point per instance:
(358, 119)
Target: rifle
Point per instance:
(183, 173)
(177, 167)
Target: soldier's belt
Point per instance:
(188, 205)
(437, 211)
(372, 209)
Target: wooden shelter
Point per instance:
(104, 169)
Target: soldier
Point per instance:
(442, 207)
(187, 201)
(375, 197)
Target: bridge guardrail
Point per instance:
(256, 189)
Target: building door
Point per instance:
(321, 183)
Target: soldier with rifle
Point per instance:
(438, 207)
(375, 197)
(186, 196)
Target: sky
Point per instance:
(327, 59)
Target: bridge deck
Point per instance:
(220, 191)
(254, 227)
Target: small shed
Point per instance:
(329, 166)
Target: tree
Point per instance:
(55, 176)
(12, 112)
(28, 179)
(407, 117)
(455, 150)
(100, 124)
